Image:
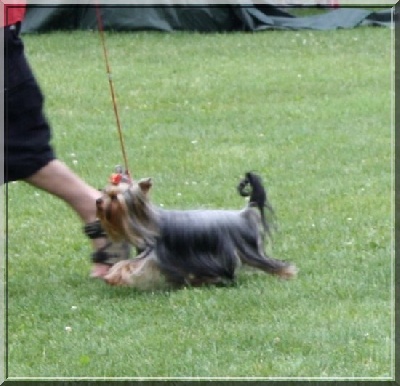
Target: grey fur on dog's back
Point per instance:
(209, 244)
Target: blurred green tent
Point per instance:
(211, 18)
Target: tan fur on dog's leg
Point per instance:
(140, 273)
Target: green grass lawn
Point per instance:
(310, 111)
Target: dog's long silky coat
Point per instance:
(187, 247)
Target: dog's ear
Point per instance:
(145, 184)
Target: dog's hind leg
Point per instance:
(268, 264)
(250, 245)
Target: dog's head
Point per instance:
(125, 212)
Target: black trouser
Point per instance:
(27, 133)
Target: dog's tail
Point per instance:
(252, 186)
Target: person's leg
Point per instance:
(29, 156)
(57, 179)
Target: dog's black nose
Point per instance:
(99, 201)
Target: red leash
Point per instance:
(108, 69)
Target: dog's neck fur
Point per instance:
(142, 225)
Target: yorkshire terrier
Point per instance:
(186, 247)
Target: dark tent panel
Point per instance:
(210, 18)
